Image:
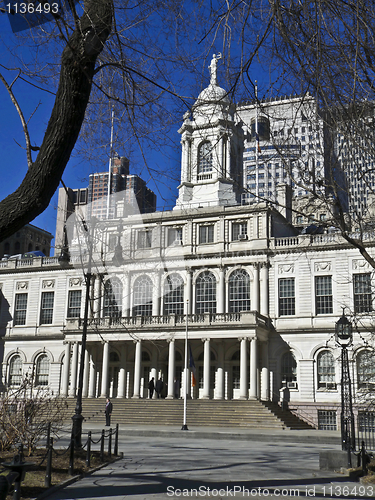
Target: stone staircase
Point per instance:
(234, 413)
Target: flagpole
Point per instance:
(184, 426)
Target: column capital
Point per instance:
(240, 339)
(169, 341)
(207, 339)
(136, 341)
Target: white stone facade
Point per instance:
(258, 302)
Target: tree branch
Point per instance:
(77, 70)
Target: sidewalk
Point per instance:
(215, 463)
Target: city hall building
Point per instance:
(257, 301)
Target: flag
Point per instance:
(258, 145)
(192, 368)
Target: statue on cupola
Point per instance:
(212, 149)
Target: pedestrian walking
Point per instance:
(151, 387)
(108, 412)
(176, 388)
(159, 388)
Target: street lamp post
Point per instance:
(344, 338)
(78, 417)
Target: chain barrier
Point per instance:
(18, 466)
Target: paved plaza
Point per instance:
(169, 463)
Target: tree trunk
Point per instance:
(77, 70)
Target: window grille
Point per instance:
(205, 293)
(46, 311)
(239, 231)
(287, 300)
(205, 158)
(144, 239)
(206, 234)
(323, 295)
(326, 370)
(42, 370)
(327, 420)
(15, 371)
(74, 303)
(173, 300)
(362, 293)
(112, 306)
(366, 368)
(239, 291)
(289, 370)
(20, 308)
(142, 296)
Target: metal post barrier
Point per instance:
(71, 458)
(48, 478)
(102, 447)
(88, 451)
(48, 435)
(115, 449)
(4, 487)
(364, 459)
(110, 442)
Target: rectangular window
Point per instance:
(287, 299)
(239, 231)
(327, 420)
(174, 236)
(74, 303)
(206, 234)
(20, 308)
(323, 295)
(362, 293)
(46, 308)
(144, 239)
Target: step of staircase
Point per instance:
(219, 413)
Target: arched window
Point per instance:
(239, 291)
(17, 247)
(205, 293)
(42, 370)
(173, 295)
(6, 247)
(142, 296)
(113, 357)
(326, 370)
(15, 371)
(205, 158)
(112, 306)
(289, 370)
(366, 368)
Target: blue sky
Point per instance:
(12, 141)
(13, 158)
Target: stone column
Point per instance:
(66, 370)
(137, 368)
(264, 289)
(253, 369)
(74, 371)
(126, 296)
(265, 378)
(188, 293)
(171, 369)
(105, 370)
(221, 291)
(86, 373)
(255, 302)
(122, 373)
(97, 296)
(92, 377)
(154, 368)
(206, 369)
(219, 389)
(156, 296)
(243, 369)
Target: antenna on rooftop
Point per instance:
(110, 163)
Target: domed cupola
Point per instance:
(211, 167)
